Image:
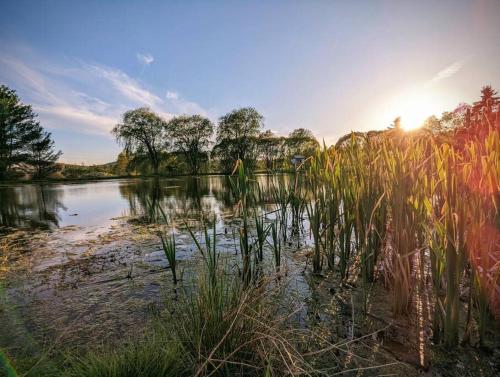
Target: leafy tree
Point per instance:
(142, 132)
(41, 153)
(122, 163)
(19, 129)
(191, 136)
(301, 141)
(488, 100)
(270, 148)
(236, 137)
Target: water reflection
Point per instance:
(32, 206)
(96, 204)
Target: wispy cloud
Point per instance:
(126, 86)
(145, 59)
(172, 95)
(80, 96)
(447, 72)
(50, 96)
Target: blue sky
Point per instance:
(330, 66)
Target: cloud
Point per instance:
(145, 59)
(127, 86)
(83, 97)
(172, 95)
(59, 106)
(447, 72)
(180, 105)
(102, 124)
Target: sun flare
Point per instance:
(415, 107)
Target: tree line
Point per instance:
(193, 144)
(149, 139)
(152, 145)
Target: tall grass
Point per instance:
(229, 327)
(276, 245)
(399, 203)
(167, 243)
(314, 215)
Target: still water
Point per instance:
(98, 204)
(83, 265)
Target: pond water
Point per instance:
(98, 204)
(80, 256)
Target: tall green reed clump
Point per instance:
(167, 240)
(261, 231)
(371, 209)
(241, 188)
(329, 170)
(316, 209)
(276, 245)
(482, 182)
(227, 327)
(281, 198)
(450, 222)
(401, 161)
(314, 215)
(346, 224)
(296, 199)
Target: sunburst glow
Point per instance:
(414, 107)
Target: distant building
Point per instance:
(297, 160)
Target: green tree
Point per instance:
(191, 137)
(488, 100)
(18, 130)
(270, 148)
(122, 163)
(41, 153)
(301, 141)
(236, 137)
(142, 132)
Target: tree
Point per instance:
(18, 130)
(236, 137)
(488, 100)
(41, 153)
(301, 142)
(270, 148)
(191, 137)
(142, 132)
(122, 163)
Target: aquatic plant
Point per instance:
(261, 234)
(167, 243)
(314, 215)
(276, 245)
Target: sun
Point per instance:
(414, 107)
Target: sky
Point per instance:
(329, 66)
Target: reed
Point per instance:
(281, 198)
(314, 215)
(227, 326)
(167, 240)
(276, 245)
(169, 249)
(261, 234)
(241, 190)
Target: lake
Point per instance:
(97, 205)
(82, 261)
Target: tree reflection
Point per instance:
(33, 206)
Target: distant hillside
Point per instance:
(74, 171)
